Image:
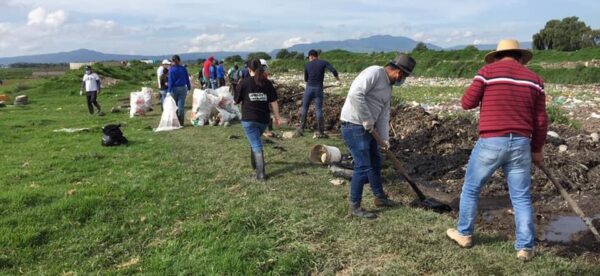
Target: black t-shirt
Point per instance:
(255, 100)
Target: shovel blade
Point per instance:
(434, 205)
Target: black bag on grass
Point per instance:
(113, 136)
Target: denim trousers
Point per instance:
(310, 93)
(179, 93)
(163, 95)
(254, 131)
(367, 161)
(513, 155)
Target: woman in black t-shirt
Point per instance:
(255, 94)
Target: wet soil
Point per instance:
(436, 150)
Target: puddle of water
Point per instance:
(490, 215)
(562, 228)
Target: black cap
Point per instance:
(313, 53)
(88, 67)
(404, 62)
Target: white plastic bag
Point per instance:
(228, 111)
(140, 102)
(204, 102)
(168, 120)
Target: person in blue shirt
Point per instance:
(314, 73)
(179, 85)
(213, 75)
(221, 74)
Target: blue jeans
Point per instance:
(163, 95)
(213, 84)
(179, 94)
(513, 155)
(254, 131)
(310, 93)
(367, 161)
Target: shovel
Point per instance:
(570, 201)
(425, 202)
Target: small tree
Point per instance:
(421, 47)
(234, 59)
(259, 55)
(282, 54)
(471, 48)
(568, 34)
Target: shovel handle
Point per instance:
(398, 165)
(570, 201)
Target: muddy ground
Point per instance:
(435, 151)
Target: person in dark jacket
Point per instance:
(256, 94)
(314, 73)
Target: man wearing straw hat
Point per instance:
(366, 109)
(512, 132)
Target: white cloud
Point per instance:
(39, 16)
(246, 43)
(218, 42)
(481, 41)
(36, 16)
(207, 38)
(102, 24)
(295, 40)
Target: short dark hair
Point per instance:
(513, 54)
(313, 53)
(176, 58)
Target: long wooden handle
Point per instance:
(570, 201)
(398, 165)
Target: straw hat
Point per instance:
(506, 45)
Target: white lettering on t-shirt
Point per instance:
(257, 97)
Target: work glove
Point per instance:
(168, 94)
(368, 125)
(80, 92)
(386, 145)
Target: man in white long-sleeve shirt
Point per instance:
(161, 76)
(367, 108)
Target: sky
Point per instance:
(179, 26)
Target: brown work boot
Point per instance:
(525, 255)
(385, 201)
(357, 211)
(462, 241)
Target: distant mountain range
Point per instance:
(85, 55)
(377, 43)
(488, 47)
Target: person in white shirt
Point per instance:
(161, 74)
(91, 84)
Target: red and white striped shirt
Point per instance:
(512, 100)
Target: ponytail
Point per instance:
(259, 71)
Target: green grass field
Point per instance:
(185, 202)
(459, 64)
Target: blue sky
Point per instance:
(178, 26)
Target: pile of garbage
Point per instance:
(436, 149)
(140, 102)
(213, 107)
